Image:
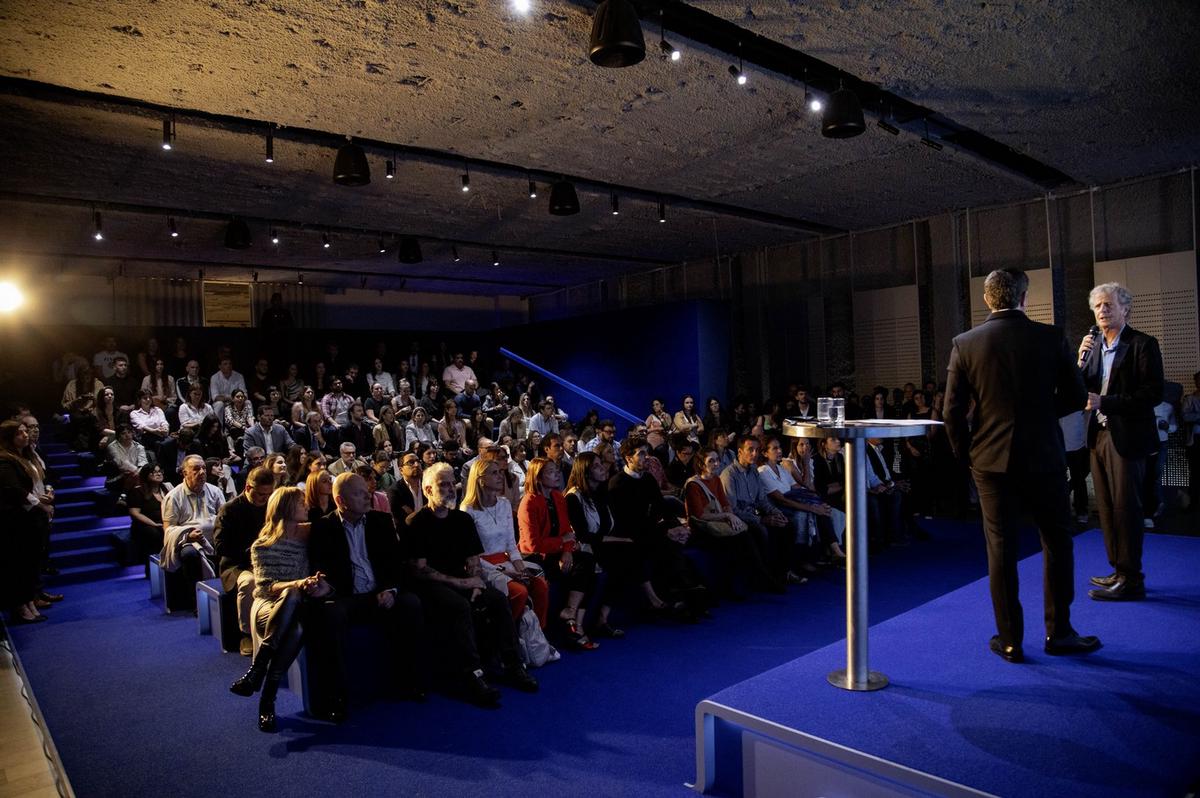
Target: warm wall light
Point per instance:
(11, 297)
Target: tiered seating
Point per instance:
(89, 532)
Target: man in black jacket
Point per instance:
(1123, 370)
(1023, 378)
(362, 558)
(238, 524)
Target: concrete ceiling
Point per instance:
(1099, 90)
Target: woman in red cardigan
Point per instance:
(547, 538)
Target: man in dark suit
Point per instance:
(1123, 370)
(238, 524)
(362, 558)
(318, 438)
(1023, 378)
(267, 433)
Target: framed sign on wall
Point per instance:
(226, 304)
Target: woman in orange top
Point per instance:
(547, 539)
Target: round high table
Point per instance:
(857, 675)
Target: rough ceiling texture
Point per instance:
(1100, 90)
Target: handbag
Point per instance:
(715, 529)
(532, 644)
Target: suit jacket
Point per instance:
(332, 441)
(281, 439)
(238, 524)
(329, 552)
(1135, 386)
(1023, 378)
(824, 476)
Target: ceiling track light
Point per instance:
(382, 245)
(843, 116)
(662, 211)
(928, 142)
(532, 189)
(299, 278)
(616, 39)
(171, 228)
(738, 74)
(495, 258)
(274, 236)
(616, 205)
(466, 178)
(454, 253)
(325, 240)
(98, 232)
(522, 7)
(168, 130)
(887, 127)
(668, 50)
(811, 101)
(389, 168)
(270, 157)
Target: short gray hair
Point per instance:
(1003, 288)
(1120, 292)
(430, 477)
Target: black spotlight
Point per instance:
(409, 250)
(350, 168)
(843, 116)
(616, 35)
(563, 199)
(237, 235)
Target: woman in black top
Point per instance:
(587, 508)
(19, 541)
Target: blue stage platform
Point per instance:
(958, 720)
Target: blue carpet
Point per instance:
(138, 702)
(1122, 721)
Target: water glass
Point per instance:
(837, 413)
(824, 409)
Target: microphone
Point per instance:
(1094, 333)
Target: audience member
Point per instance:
(194, 409)
(239, 415)
(238, 524)
(348, 460)
(104, 362)
(336, 404)
(317, 438)
(455, 375)
(189, 513)
(148, 421)
(222, 384)
(749, 502)
(145, 513)
(266, 433)
(20, 506)
(125, 457)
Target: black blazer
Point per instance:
(329, 552)
(1135, 387)
(1023, 378)
(238, 524)
(303, 437)
(824, 476)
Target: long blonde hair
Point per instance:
(474, 487)
(281, 508)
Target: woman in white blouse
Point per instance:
(193, 411)
(384, 378)
(503, 567)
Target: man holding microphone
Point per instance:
(1123, 371)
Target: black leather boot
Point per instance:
(266, 702)
(250, 683)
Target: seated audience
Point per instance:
(282, 579)
(84, 384)
(750, 503)
(318, 493)
(336, 404)
(405, 496)
(125, 457)
(267, 434)
(451, 429)
(291, 386)
(348, 460)
(468, 399)
(831, 525)
(455, 375)
(379, 499)
(124, 384)
(375, 403)
(194, 409)
(388, 430)
(145, 512)
(548, 539)
(189, 513)
(716, 527)
(148, 421)
(378, 376)
(277, 465)
(495, 404)
(239, 416)
(419, 430)
(238, 524)
(643, 522)
(357, 430)
(432, 402)
(307, 403)
(459, 604)
(590, 517)
(687, 421)
(189, 378)
(503, 566)
(514, 426)
(317, 438)
(222, 384)
(544, 422)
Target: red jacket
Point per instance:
(533, 517)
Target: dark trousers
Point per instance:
(1193, 460)
(462, 628)
(1002, 497)
(1118, 484)
(325, 634)
(1079, 462)
(885, 522)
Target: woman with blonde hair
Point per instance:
(318, 494)
(279, 557)
(503, 566)
(548, 539)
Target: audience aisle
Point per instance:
(138, 703)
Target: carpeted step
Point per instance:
(82, 539)
(86, 573)
(86, 522)
(89, 555)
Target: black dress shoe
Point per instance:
(1105, 581)
(516, 676)
(1121, 590)
(1009, 653)
(1073, 643)
(477, 691)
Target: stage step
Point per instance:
(91, 521)
(86, 573)
(103, 554)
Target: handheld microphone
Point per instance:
(1094, 333)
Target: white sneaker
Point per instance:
(1148, 523)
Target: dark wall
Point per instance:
(628, 357)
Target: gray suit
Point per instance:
(280, 439)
